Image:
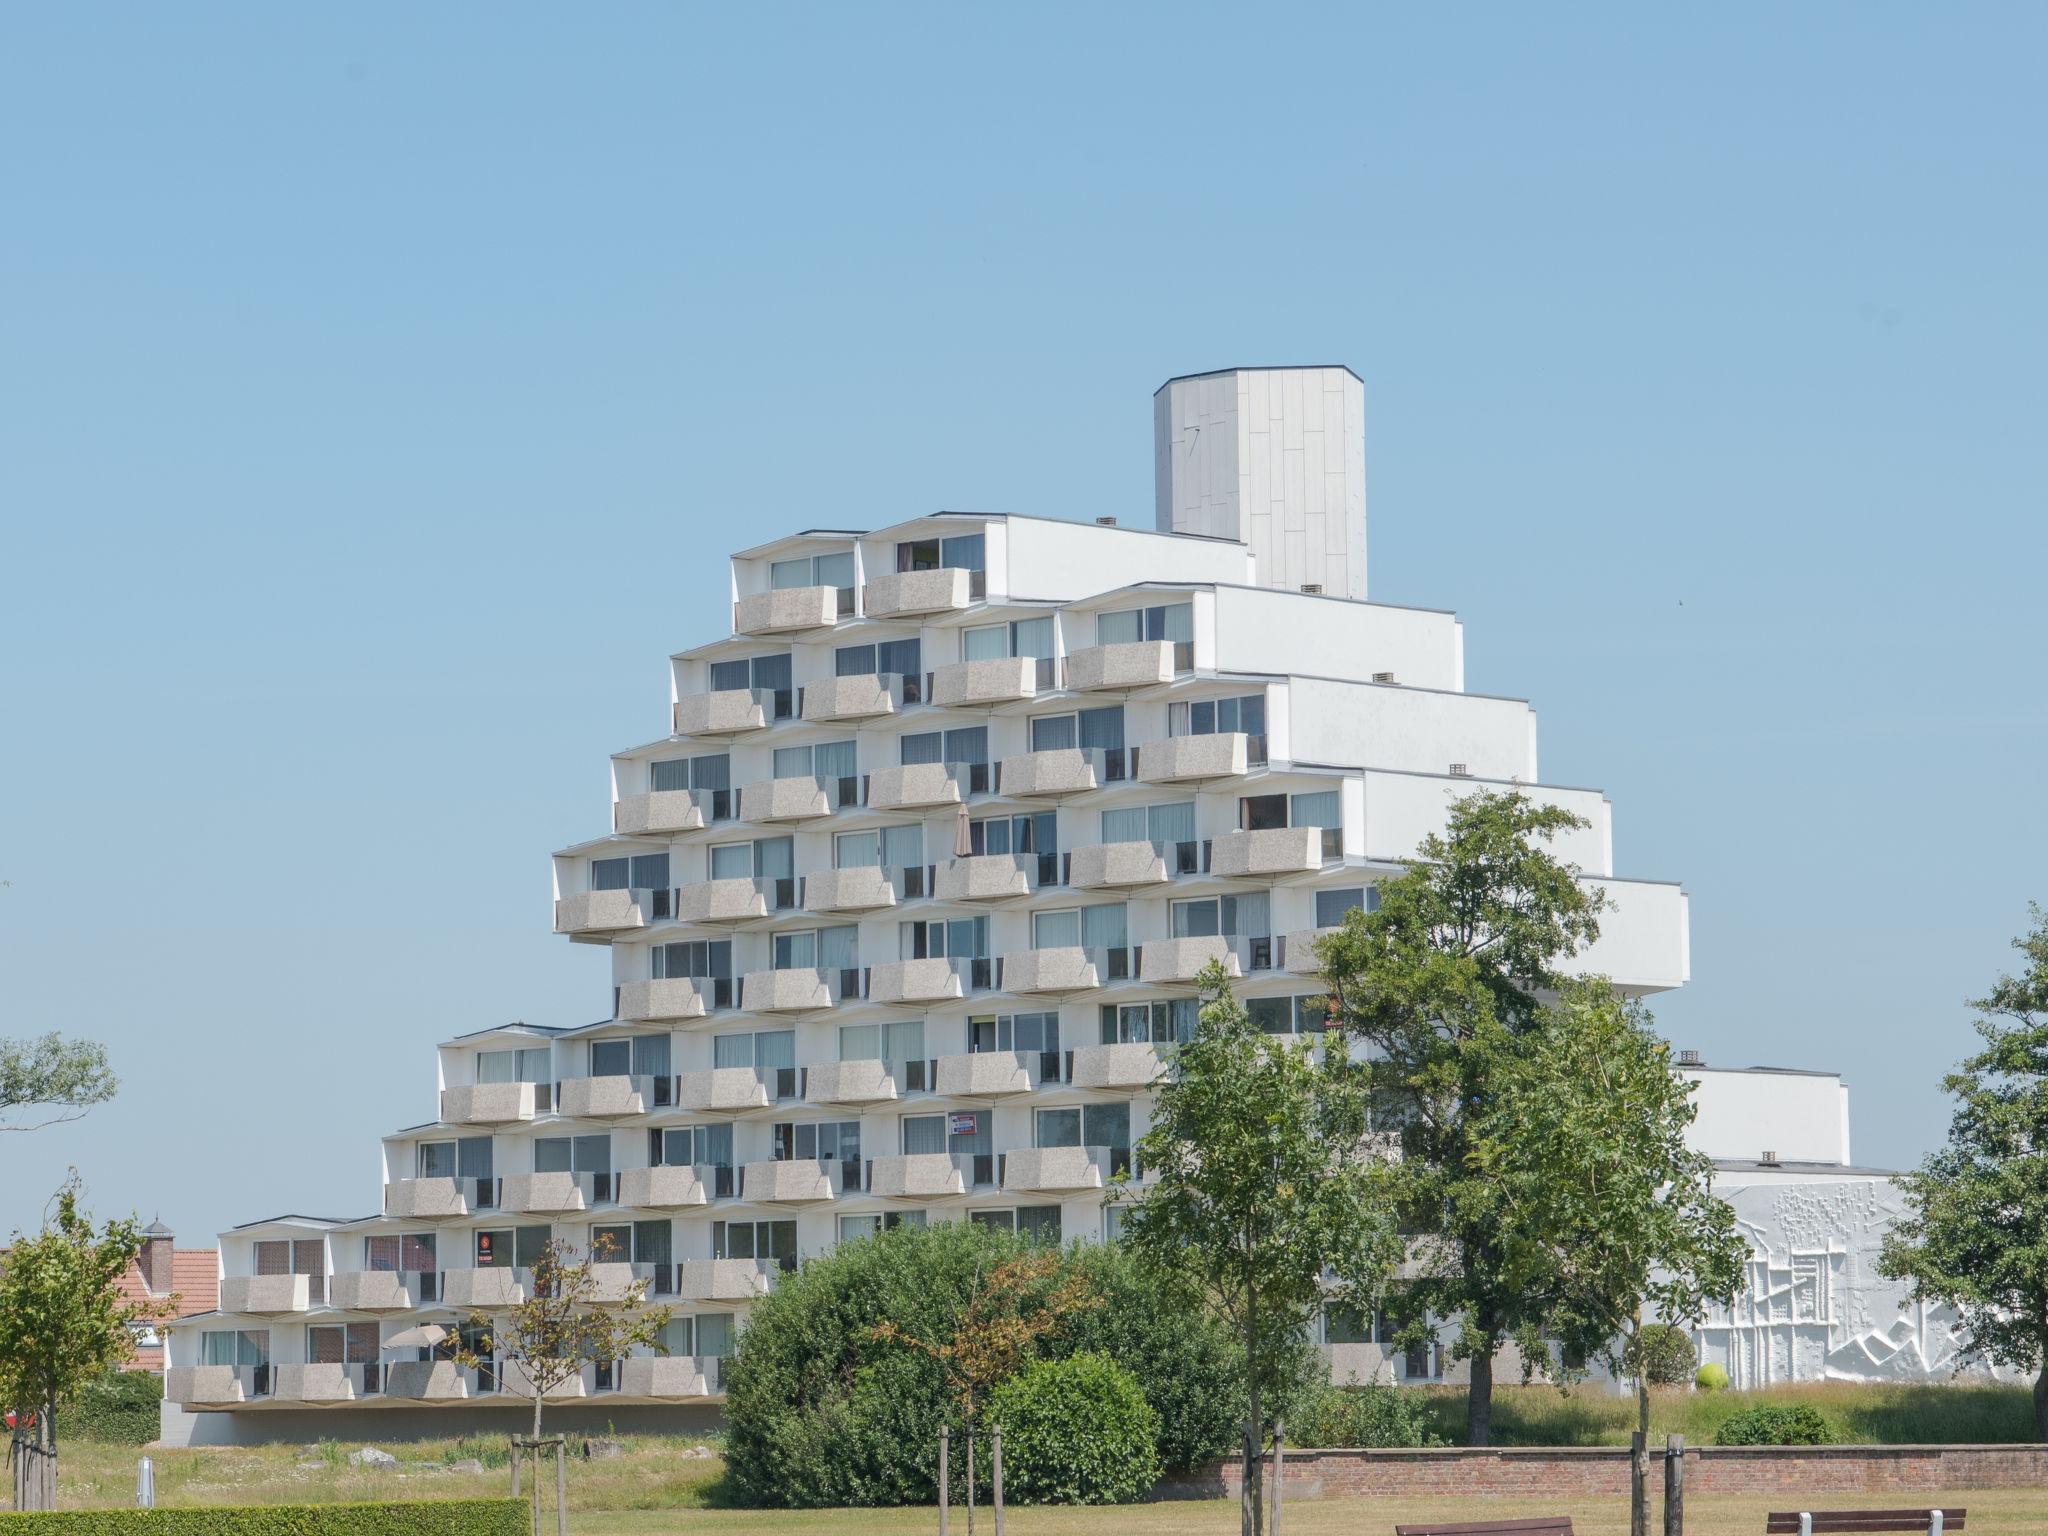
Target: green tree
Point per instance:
(1976, 1236)
(1442, 980)
(63, 1323)
(1264, 1188)
(51, 1079)
(1602, 1206)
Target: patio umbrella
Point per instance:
(963, 836)
(426, 1336)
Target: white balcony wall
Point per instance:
(1353, 725)
(1261, 630)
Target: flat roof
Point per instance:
(1838, 1170)
(1214, 373)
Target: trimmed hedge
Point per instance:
(1076, 1431)
(417, 1517)
(121, 1408)
(1777, 1424)
(1376, 1416)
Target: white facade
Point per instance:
(900, 909)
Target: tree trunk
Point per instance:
(1251, 1509)
(1479, 1396)
(1639, 1456)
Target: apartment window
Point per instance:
(1332, 905)
(692, 1146)
(812, 571)
(903, 658)
(632, 1242)
(1173, 622)
(887, 847)
(852, 1227)
(524, 1065)
(696, 960)
(236, 1347)
(640, 872)
(826, 760)
(1347, 1325)
(960, 936)
(1164, 1021)
(573, 1154)
(1258, 813)
(1113, 1223)
(630, 1056)
(1206, 717)
(827, 1141)
(769, 675)
(1085, 1125)
(765, 858)
(342, 1344)
(1247, 915)
(962, 552)
(771, 1240)
(1021, 1032)
(1163, 826)
(512, 1247)
(1100, 927)
(1037, 1223)
(407, 1253)
(1297, 1015)
(1091, 730)
(924, 1133)
(770, 1054)
(966, 745)
(1019, 637)
(819, 949)
(896, 1043)
(437, 1160)
(1036, 832)
(710, 774)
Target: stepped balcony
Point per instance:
(1195, 759)
(985, 877)
(672, 1187)
(1181, 960)
(1059, 771)
(916, 786)
(555, 1194)
(514, 1382)
(1128, 664)
(984, 1075)
(728, 1090)
(723, 1279)
(864, 696)
(673, 997)
(1065, 969)
(768, 801)
(1123, 1068)
(433, 1199)
(320, 1384)
(271, 1295)
(806, 990)
(860, 888)
(1054, 1170)
(1128, 866)
(904, 593)
(732, 711)
(379, 1290)
(606, 911)
(790, 1181)
(614, 1283)
(668, 1378)
(898, 982)
(493, 1103)
(666, 811)
(861, 1083)
(999, 680)
(610, 1097)
(483, 1289)
(1274, 851)
(734, 899)
(915, 1176)
(426, 1381)
(216, 1386)
(1298, 951)
(790, 610)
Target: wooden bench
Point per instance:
(1527, 1525)
(1809, 1522)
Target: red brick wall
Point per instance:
(1602, 1470)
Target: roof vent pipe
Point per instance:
(1691, 1059)
(1105, 522)
(1770, 1158)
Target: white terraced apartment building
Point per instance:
(905, 902)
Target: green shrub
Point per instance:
(1375, 1416)
(1711, 1378)
(1662, 1355)
(1776, 1424)
(418, 1517)
(121, 1408)
(819, 1414)
(1075, 1431)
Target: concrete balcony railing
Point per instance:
(1645, 942)
(1000, 680)
(1049, 1170)
(913, 981)
(773, 800)
(1115, 866)
(1050, 970)
(664, 811)
(426, 1381)
(513, 1381)
(864, 888)
(261, 1295)
(542, 1194)
(673, 1187)
(721, 1090)
(788, 1182)
(915, 1176)
(666, 1378)
(849, 1082)
(211, 1386)
(1298, 951)
(487, 1103)
(861, 697)
(734, 900)
(786, 991)
(369, 1290)
(603, 1098)
(982, 877)
(911, 592)
(482, 1289)
(1127, 664)
(727, 712)
(1267, 851)
(1060, 771)
(722, 1280)
(1191, 759)
(983, 1075)
(912, 786)
(614, 1284)
(334, 1383)
(676, 997)
(1125, 1068)
(424, 1200)
(1181, 960)
(785, 610)
(599, 912)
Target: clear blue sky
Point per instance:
(381, 389)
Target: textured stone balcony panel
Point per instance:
(679, 997)
(664, 811)
(788, 1182)
(1049, 1170)
(980, 877)
(673, 1187)
(861, 889)
(787, 609)
(849, 1082)
(908, 592)
(1181, 960)
(599, 912)
(982, 1075)
(772, 800)
(314, 1384)
(481, 1288)
(1128, 664)
(721, 1280)
(789, 991)
(668, 1378)
(1115, 1068)
(1115, 866)
(601, 1098)
(611, 1284)
(910, 786)
(1049, 970)
(265, 1294)
(487, 1103)
(369, 1290)
(540, 1194)
(723, 1090)
(203, 1386)
(915, 1176)
(736, 900)
(1300, 949)
(424, 1200)
(912, 981)
(847, 698)
(1061, 771)
(997, 681)
(1267, 851)
(426, 1381)
(514, 1382)
(1187, 759)
(724, 713)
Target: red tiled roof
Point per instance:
(194, 1276)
